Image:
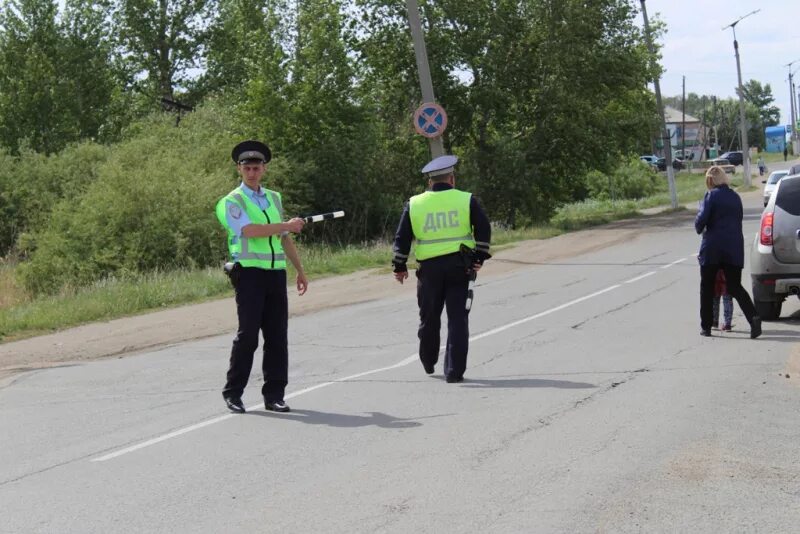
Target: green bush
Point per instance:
(31, 184)
(632, 179)
(151, 206)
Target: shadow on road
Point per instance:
(525, 383)
(313, 417)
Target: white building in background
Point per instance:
(695, 135)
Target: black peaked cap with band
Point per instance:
(251, 151)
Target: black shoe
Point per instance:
(235, 404)
(454, 379)
(276, 406)
(428, 368)
(705, 333)
(755, 327)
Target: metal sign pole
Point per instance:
(426, 85)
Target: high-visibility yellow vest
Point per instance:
(262, 252)
(440, 221)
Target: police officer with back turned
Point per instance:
(452, 236)
(259, 244)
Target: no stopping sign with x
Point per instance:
(430, 120)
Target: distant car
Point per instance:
(771, 182)
(652, 160)
(775, 255)
(685, 155)
(726, 165)
(735, 158)
(677, 164)
(795, 169)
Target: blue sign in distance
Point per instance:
(430, 120)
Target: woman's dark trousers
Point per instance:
(733, 282)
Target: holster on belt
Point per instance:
(233, 271)
(467, 256)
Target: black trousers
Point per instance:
(442, 282)
(261, 304)
(733, 282)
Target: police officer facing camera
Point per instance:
(442, 220)
(259, 244)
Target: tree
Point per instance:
(161, 41)
(56, 78)
(761, 97)
(727, 121)
(242, 46)
(327, 128)
(90, 81)
(31, 98)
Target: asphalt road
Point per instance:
(591, 404)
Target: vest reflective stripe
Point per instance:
(443, 240)
(276, 199)
(262, 252)
(440, 222)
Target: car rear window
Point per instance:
(775, 178)
(788, 198)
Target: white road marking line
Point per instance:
(227, 416)
(414, 357)
(676, 262)
(645, 275)
(542, 314)
(163, 438)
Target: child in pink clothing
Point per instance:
(720, 290)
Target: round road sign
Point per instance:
(430, 120)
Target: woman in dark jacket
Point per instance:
(720, 223)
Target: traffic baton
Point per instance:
(324, 216)
(470, 293)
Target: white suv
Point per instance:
(771, 182)
(775, 254)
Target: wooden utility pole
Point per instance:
(683, 119)
(664, 132)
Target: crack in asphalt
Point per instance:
(578, 325)
(543, 422)
(643, 260)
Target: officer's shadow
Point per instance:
(511, 383)
(313, 417)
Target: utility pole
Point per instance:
(798, 120)
(740, 90)
(793, 110)
(714, 124)
(704, 131)
(667, 140)
(425, 83)
(683, 119)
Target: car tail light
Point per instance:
(765, 237)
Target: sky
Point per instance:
(695, 46)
